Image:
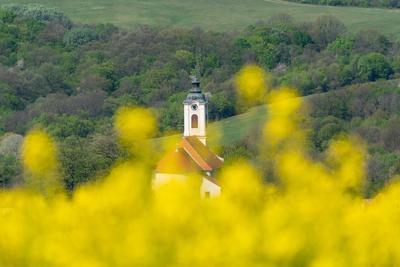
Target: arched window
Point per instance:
(195, 121)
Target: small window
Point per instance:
(195, 121)
(207, 194)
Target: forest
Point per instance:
(358, 3)
(70, 78)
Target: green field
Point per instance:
(215, 14)
(230, 130)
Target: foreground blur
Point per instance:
(313, 216)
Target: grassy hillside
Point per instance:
(236, 128)
(215, 14)
(232, 129)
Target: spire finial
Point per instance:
(195, 81)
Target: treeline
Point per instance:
(369, 112)
(358, 3)
(70, 78)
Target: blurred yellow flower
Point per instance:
(307, 218)
(134, 124)
(39, 153)
(251, 83)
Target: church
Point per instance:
(192, 155)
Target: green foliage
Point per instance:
(238, 151)
(38, 12)
(82, 160)
(7, 16)
(79, 36)
(371, 114)
(342, 45)
(326, 29)
(71, 79)
(324, 130)
(8, 99)
(220, 106)
(396, 64)
(9, 169)
(373, 66)
(171, 116)
(209, 16)
(381, 167)
(359, 3)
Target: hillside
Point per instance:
(230, 130)
(70, 79)
(215, 15)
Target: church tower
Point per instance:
(195, 112)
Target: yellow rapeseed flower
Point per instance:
(308, 218)
(251, 83)
(39, 153)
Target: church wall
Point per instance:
(162, 178)
(212, 189)
(207, 188)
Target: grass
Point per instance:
(217, 15)
(230, 130)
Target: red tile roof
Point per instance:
(177, 161)
(191, 155)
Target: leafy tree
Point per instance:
(342, 45)
(391, 135)
(10, 145)
(367, 41)
(373, 66)
(381, 167)
(84, 160)
(221, 106)
(7, 16)
(326, 29)
(39, 12)
(70, 125)
(79, 36)
(396, 64)
(9, 169)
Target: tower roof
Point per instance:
(195, 93)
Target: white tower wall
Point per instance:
(201, 113)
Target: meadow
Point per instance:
(219, 15)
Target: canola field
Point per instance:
(312, 215)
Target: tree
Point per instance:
(326, 29)
(373, 66)
(391, 135)
(79, 36)
(39, 12)
(221, 106)
(84, 160)
(9, 169)
(342, 45)
(10, 145)
(367, 41)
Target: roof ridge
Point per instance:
(196, 157)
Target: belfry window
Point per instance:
(195, 121)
